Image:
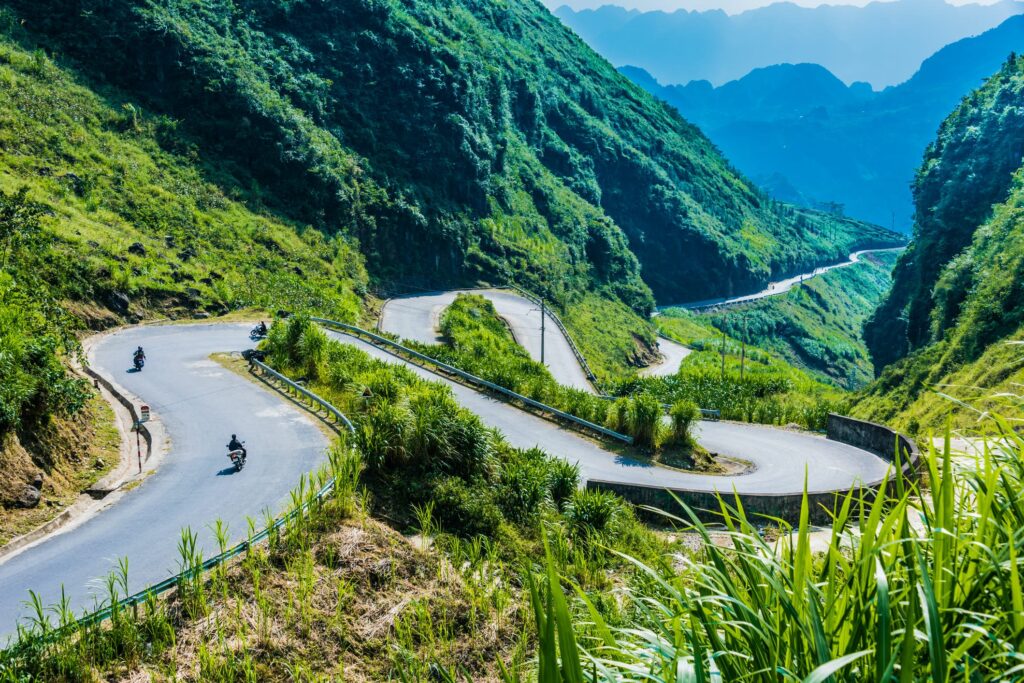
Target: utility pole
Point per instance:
(542, 315)
(723, 355)
(743, 347)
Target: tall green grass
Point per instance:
(912, 586)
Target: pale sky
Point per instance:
(730, 6)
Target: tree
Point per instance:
(19, 223)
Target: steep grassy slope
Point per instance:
(969, 323)
(453, 138)
(967, 170)
(818, 325)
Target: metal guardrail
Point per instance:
(173, 581)
(338, 415)
(358, 332)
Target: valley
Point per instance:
(557, 387)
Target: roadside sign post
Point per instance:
(143, 417)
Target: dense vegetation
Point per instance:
(817, 325)
(967, 170)
(908, 588)
(753, 385)
(959, 284)
(453, 139)
(904, 587)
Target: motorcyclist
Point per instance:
(139, 356)
(262, 328)
(236, 445)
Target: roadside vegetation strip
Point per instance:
(377, 339)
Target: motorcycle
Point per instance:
(139, 361)
(237, 459)
(258, 333)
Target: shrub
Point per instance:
(684, 414)
(524, 484)
(593, 514)
(465, 509)
(645, 421)
(563, 480)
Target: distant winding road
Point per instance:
(781, 287)
(417, 317)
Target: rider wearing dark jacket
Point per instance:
(236, 445)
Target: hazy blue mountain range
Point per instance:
(882, 43)
(807, 137)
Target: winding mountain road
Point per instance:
(200, 404)
(781, 457)
(780, 287)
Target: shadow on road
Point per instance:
(227, 471)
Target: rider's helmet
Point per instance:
(233, 436)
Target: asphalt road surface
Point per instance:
(418, 317)
(672, 355)
(781, 456)
(201, 404)
(780, 287)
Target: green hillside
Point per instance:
(970, 323)
(818, 325)
(453, 138)
(965, 172)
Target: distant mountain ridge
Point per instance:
(882, 43)
(806, 137)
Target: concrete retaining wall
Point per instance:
(871, 437)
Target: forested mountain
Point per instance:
(957, 291)
(881, 43)
(806, 137)
(453, 139)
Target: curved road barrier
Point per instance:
(885, 443)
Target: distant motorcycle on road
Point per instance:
(259, 332)
(236, 453)
(138, 359)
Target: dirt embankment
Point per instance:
(44, 471)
